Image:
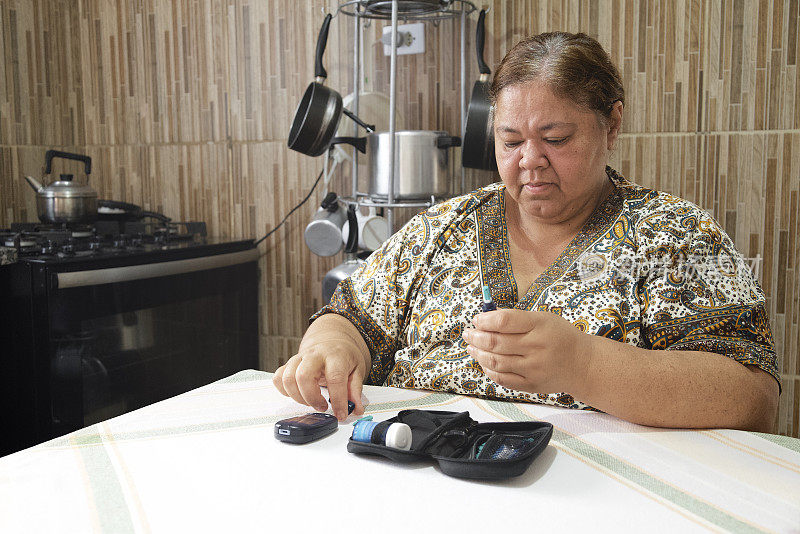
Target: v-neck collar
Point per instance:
(496, 253)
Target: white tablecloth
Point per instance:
(207, 461)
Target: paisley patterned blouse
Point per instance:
(647, 269)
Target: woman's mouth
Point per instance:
(538, 187)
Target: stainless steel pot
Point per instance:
(422, 164)
(64, 201)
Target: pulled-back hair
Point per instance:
(573, 65)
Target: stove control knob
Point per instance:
(120, 241)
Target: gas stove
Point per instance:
(46, 243)
(105, 318)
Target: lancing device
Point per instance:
(487, 304)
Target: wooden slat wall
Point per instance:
(185, 107)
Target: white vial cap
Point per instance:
(398, 435)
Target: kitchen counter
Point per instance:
(207, 460)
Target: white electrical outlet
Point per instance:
(410, 39)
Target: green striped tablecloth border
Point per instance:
(632, 473)
(98, 457)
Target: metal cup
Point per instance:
(373, 230)
(323, 234)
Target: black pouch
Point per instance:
(463, 447)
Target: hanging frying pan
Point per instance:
(478, 148)
(320, 109)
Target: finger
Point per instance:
(337, 375)
(508, 380)
(355, 386)
(289, 379)
(500, 343)
(277, 380)
(507, 321)
(308, 374)
(498, 363)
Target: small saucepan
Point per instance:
(320, 109)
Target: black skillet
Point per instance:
(478, 148)
(123, 212)
(320, 109)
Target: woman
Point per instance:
(610, 296)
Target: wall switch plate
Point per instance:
(410, 39)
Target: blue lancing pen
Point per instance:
(487, 304)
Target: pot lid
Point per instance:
(64, 187)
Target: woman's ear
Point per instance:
(614, 124)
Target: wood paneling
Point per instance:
(185, 107)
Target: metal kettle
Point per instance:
(64, 201)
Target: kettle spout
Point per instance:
(34, 183)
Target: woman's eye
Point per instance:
(511, 144)
(556, 140)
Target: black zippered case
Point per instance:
(463, 447)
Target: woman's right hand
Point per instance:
(332, 354)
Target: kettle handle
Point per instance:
(50, 154)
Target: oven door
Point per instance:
(125, 337)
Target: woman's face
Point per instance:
(551, 155)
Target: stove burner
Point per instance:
(32, 240)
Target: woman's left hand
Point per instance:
(536, 352)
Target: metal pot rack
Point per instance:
(421, 10)
(394, 10)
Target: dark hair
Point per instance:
(574, 66)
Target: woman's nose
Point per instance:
(533, 157)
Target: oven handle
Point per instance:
(152, 270)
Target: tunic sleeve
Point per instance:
(697, 292)
(376, 297)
